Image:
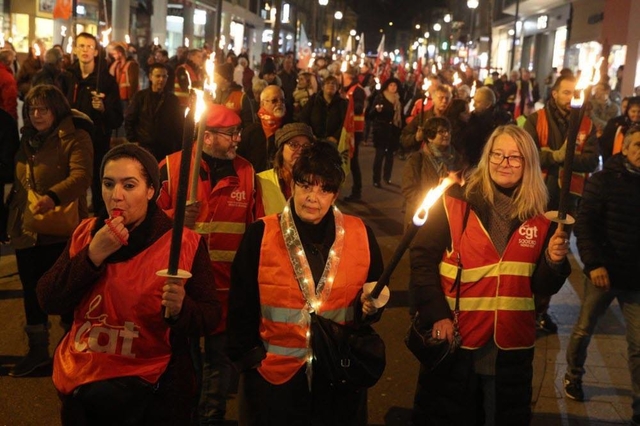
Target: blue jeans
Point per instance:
(595, 303)
(216, 380)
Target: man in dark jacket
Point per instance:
(483, 121)
(325, 111)
(53, 73)
(95, 93)
(9, 144)
(607, 232)
(154, 117)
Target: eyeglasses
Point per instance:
(234, 134)
(39, 109)
(297, 145)
(85, 46)
(512, 160)
(444, 132)
(275, 101)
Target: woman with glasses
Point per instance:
(275, 185)
(55, 161)
(308, 255)
(427, 167)
(489, 244)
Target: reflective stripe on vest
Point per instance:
(578, 180)
(283, 328)
(495, 292)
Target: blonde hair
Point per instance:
(530, 197)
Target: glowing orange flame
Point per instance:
(63, 31)
(69, 48)
(456, 79)
(200, 105)
(420, 217)
(343, 67)
(585, 83)
(105, 37)
(209, 67)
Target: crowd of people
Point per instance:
(266, 247)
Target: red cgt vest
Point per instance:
(495, 291)
(118, 329)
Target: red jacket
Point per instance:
(8, 91)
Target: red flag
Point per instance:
(62, 9)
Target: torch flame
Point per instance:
(420, 217)
(472, 93)
(186, 41)
(127, 39)
(585, 83)
(69, 45)
(434, 69)
(63, 31)
(36, 49)
(343, 67)
(463, 67)
(200, 105)
(156, 41)
(456, 79)
(105, 37)
(209, 67)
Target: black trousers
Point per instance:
(33, 262)
(385, 155)
(264, 404)
(355, 165)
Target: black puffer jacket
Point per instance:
(607, 227)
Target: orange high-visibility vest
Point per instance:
(578, 180)
(124, 84)
(282, 328)
(495, 291)
(618, 141)
(118, 329)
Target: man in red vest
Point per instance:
(126, 72)
(354, 124)
(224, 208)
(549, 128)
(188, 75)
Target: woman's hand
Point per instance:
(558, 246)
(173, 296)
(191, 213)
(108, 240)
(443, 329)
(44, 204)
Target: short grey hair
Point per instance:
(53, 56)
(263, 96)
(487, 94)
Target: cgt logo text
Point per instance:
(529, 234)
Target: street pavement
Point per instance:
(33, 401)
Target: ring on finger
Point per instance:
(437, 334)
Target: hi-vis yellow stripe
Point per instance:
(220, 227)
(222, 255)
(493, 303)
(472, 275)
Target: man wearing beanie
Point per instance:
(258, 139)
(224, 207)
(268, 73)
(230, 94)
(275, 185)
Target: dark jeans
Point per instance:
(264, 404)
(355, 165)
(595, 303)
(385, 155)
(33, 262)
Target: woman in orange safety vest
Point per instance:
(493, 237)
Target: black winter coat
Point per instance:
(325, 119)
(607, 228)
(386, 135)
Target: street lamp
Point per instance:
(337, 17)
(473, 5)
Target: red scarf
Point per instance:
(270, 123)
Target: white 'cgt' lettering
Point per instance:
(92, 341)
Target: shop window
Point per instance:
(20, 32)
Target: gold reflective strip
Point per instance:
(358, 118)
(220, 228)
(521, 269)
(222, 255)
(493, 303)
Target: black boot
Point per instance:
(38, 355)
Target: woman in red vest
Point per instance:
(491, 241)
(123, 362)
(309, 259)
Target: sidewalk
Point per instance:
(607, 384)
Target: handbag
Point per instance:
(60, 221)
(428, 350)
(346, 356)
